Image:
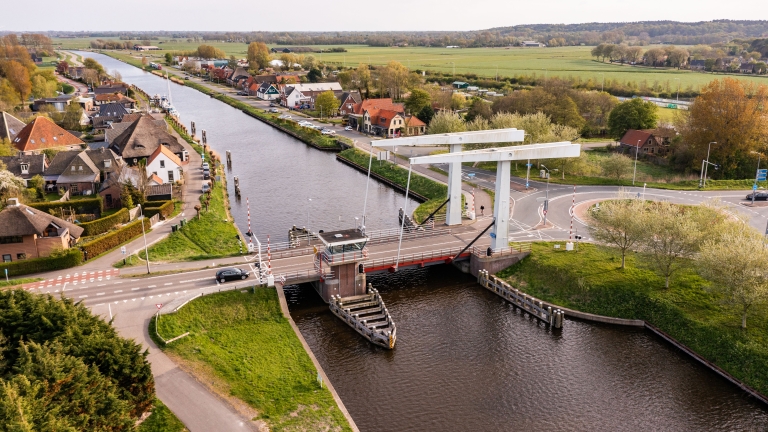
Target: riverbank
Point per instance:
(592, 281)
(241, 343)
(431, 193)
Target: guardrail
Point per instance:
(414, 257)
(513, 249)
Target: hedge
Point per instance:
(86, 205)
(105, 224)
(109, 241)
(71, 258)
(165, 208)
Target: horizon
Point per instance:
(187, 16)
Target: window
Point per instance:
(42, 140)
(79, 167)
(21, 256)
(73, 167)
(7, 258)
(162, 164)
(55, 138)
(107, 163)
(73, 188)
(31, 141)
(11, 239)
(170, 176)
(24, 168)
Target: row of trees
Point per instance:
(668, 55)
(725, 250)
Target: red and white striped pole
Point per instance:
(473, 201)
(250, 233)
(269, 258)
(573, 209)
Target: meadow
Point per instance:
(564, 62)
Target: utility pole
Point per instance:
(546, 200)
(704, 166)
(635, 172)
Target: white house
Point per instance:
(318, 87)
(165, 165)
(267, 91)
(292, 97)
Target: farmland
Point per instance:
(563, 62)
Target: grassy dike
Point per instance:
(242, 343)
(204, 237)
(591, 280)
(434, 192)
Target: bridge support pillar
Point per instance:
(500, 238)
(453, 213)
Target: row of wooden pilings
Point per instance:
(553, 317)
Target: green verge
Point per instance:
(591, 280)
(244, 340)
(211, 235)
(15, 282)
(435, 192)
(161, 420)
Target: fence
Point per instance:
(513, 249)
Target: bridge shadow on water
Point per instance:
(467, 360)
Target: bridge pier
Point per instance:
(339, 263)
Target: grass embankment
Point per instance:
(435, 192)
(16, 282)
(591, 280)
(308, 135)
(244, 345)
(211, 235)
(161, 420)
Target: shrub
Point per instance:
(164, 208)
(86, 205)
(105, 224)
(65, 259)
(102, 244)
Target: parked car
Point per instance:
(206, 166)
(272, 104)
(328, 132)
(759, 196)
(206, 187)
(228, 274)
(305, 123)
(318, 127)
(286, 116)
(274, 110)
(348, 128)
(206, 175)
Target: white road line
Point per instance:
(83, 296)
(152, 286)
(118, 291)
(117, 283)
(135, 289)
(169, 283)
(98, 294)
(100, 284)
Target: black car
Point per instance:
(759, 196)
(229, 274)
(206, 175)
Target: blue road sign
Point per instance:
(762, 174)
(529, 165)
(493, 235)
(754, 187)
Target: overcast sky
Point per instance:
(350, 15)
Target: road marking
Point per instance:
(135, 289)
(83, 296)
(169, 283)
(98, 294)
(118, 291)
(100, 284)
(152, 286)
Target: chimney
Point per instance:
(13, 202)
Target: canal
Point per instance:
(465, 360)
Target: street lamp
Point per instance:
(546, 200)
(602, 85)
(704, 166)
(143, 233)
(678, 90)
(636, 152)
(757, 175)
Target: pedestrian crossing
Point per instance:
(80, 278)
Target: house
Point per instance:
(267, 91)
(359, 119)
(42, 133)
(293, 98)
(25, 165)
(75, 72)
(348, 101)
(163, 192)
(10, 126)
(164, 165)
(747, 68)
(237, 74)
(115, 110)
(103, 122)
(106, 98)
(145, 48)
(386, 123)
(414, 126)
(58, 103)
(649, 141)
(459, 85)
(141, 138)
(531, 44)
(698, 65)
(82, 172)
(154, 180)
(319, 87)
(112, 186)
(26, 232)
(111, 88)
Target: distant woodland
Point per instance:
(630, 33)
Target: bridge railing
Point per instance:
(414, 257)
(340, 258)
(513, 249)
(301, 275)
(393, 234)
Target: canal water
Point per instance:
(287, 182)
(465, 359)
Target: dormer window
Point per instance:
(42, 140)
(31, 141)
(25, 168)
(55, 138)
(107, 163)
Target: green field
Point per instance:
(242, 344)
(487, 62)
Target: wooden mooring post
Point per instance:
(229, 159)
(531, 305)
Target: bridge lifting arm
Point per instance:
(473, 241)
(435, 212)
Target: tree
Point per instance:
(732, 114)
(125, 195)
(232, 62)
(18, 77)
(362, 78)
(426, 114)
(72, 116)
(616, 166)
(42, 88)
(10, 185)
(736, 263)
(168, 58)
(327, 103)
(144, 61)
(619, 223)
(654, 56)
(632, 114)
(634, 54)
(446, 122)
(258, 55)
(38, 184)
(210, 52)
(314, 75)
(9, 98)
(6, 149)
(479, 108)
(673, 236)
(417, 100)
(678, 57)
(394, 76)
(457, 101)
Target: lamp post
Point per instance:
(143, 233)
(757, 175)
(546, 200)
(602, 85)
(636, 153)
(678, 90)
(704, 166)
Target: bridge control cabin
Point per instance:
(344, 250)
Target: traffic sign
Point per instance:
(122, 250)
(762, 174)
(493, 235)
(754, 187)
(159, 305)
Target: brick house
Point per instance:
(25, 165)
(648, 141)
(348, 101)
(26, 232)
(363, 113)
